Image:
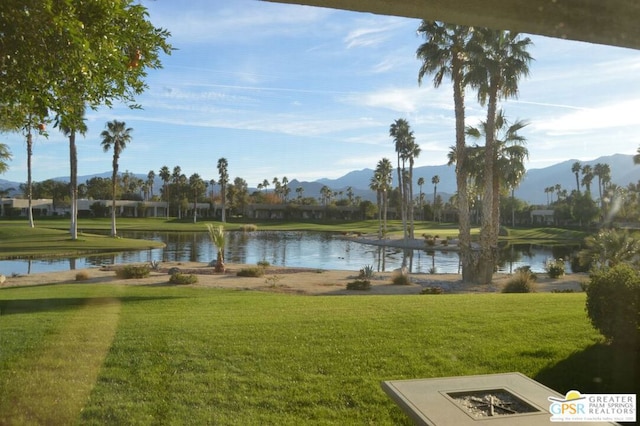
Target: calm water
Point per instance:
(297, 249)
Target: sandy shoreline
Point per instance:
(305, 281)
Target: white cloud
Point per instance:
(619, 114)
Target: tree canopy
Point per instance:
(58, 54)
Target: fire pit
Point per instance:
(490, 403)
(494, 399)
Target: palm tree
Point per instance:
(150, 178)
(445, 53)
(403, 140)
(636, 158)
(175, 181)
(376, 185)
(218, 238)
(587, 177)
(197, 186)
(384, 168)
(117, 136)
(165, 175)
(435, 180)
(420, 197)
(603, 172)
(500, 59)
(610, 247)
(509, 157)
(411, 153)
(5, 155)
(575, 169)
(223, 171)
(70, 125)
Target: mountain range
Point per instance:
(531, 190)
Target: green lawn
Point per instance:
(99, 354)
(18, 240)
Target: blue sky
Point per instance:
(287, 90)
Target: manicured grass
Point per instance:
(99, 354)
(543, 235)
(18, 240)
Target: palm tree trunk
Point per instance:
(385, 203)
(223, 195)
(402, 199)
(488, 236)
(114, 178)
(468, 259)
(73, 162)
(410, 199)
(29, 181)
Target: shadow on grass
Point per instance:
(21, 306)
(600, 368)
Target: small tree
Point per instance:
(218, 239)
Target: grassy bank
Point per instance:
(18, 240)
(138, 355)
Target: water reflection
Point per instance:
(320, 250)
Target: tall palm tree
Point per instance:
(175, 180)
(403, 140)
(587, 177)
(117, 136)
(575, 169)
(223, 171)
(375, 184)
(445, 53)
(384, 169)
(165, 175)
(151, 176)
(420, 183)
(197, 186)
(500, 60)
(435, 180)
(508, 160)
(412, 151)
(603, 172)
(70, 125)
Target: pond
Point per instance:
(320, 250)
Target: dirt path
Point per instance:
(293, 280)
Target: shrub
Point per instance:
(367, 272)
(174, 270)
(554, 268)
(251, 272)
(82, 276)
(521, 282)
(613, 303)
(264, 264)
(133, 271)
(179, 278)
(359, 284)
(563, 290)
(272, 280)
(527, 269)
(400, 278)
(154, 265)
(432, 290)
